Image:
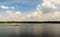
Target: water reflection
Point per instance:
(30, 30)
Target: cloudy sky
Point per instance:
(29, 10)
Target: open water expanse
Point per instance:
(30, 30)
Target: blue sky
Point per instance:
(29, 10)
(21, 5)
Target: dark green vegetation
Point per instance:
(29, 22)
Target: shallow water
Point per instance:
(30, 30)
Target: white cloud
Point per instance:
(12, 7)
(18, 13)
(54, 1)
(4, 7)
(50, 6)
(47, 5)
(35, 16)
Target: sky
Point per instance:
(29, 10)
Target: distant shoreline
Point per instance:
(29, 22)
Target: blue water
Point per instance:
(30, 30)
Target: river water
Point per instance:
(30, 30)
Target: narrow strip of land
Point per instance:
(29, 22)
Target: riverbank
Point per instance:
(29, 21)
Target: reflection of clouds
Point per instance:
(48, 28)
(17, 29)
(8, 30)
(52, 29)
(36, 29)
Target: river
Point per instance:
(30, 30)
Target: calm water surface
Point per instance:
(30, 30)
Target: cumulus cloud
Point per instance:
(12, 7)
(48, 4)
(53, 1)
(47, 11)
(10, 16)
(4, 7)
